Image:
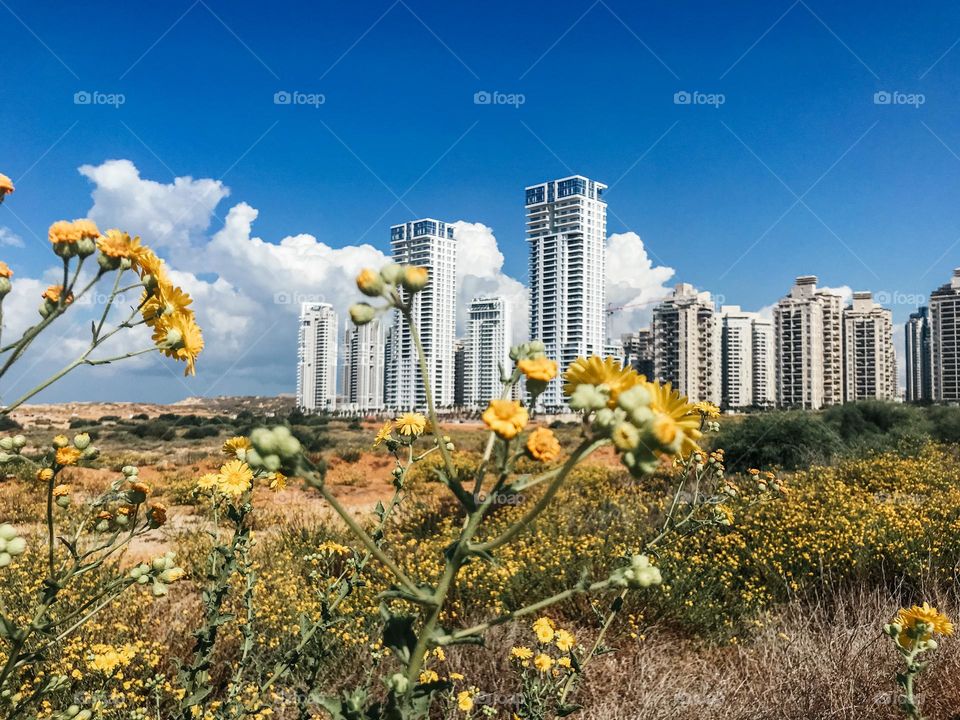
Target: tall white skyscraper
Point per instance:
(566, 231)
(747, 359)
(917, 341)
(317, 358)
(807, 339)
(486, 350)
(427, 243)
(363, 363)
(869, 360)
(764, 361)
(945, 340)
(686, 344)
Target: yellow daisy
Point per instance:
(543, 369)
(231, 446)
(505, 417)
(411, 424)
(383, 434)
(234, 479)
(675, 423)
(118, 244)
(543, 445)
(933, 621)
(596, 370)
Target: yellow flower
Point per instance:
(208, 481)
(179, 337)
(543, 662)
(521, 653)
(564, 662)
(544, 629)
(455, 676)
(383, 434)
(440, 654)
(675, 423)
(278, 481)
(53, 293)
(596, 370)
(86, 229)
(63, 231)
(45, 475)
(146, 262)
(465, 700)
(543, 369)
(166, 300)
(157, 514)
(6, 186)
(5, 270)
(707, 409)
(61, 490)
(411, 424)
(428, 676)
(67, 455)
(415, 278)
(231, 446)
(118, 244)
(370, 282)
(106, 658)
(932, 620)
(543, 445)
(235, 479)
(564, 640)
(505, 417)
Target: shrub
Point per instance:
(787, 440)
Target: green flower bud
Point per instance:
(81, 441)
(398, 683)
(636, 397)
(107, 262)
(589, 397)
(16, 546)
(392, 273)
(129, 470)
(86, 247)
(7, 532)
(362, 313)
(5, 286)
(5, 559)
(65, 249)
(19, 441)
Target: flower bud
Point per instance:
(86, 247)
(362, 313)
(392, 273)
(370, 282)
(108, 262)
(5, 286)
(81, 441)
(19, 441)
(6, 443)
(60, 441)
(415, 278)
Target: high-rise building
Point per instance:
(363, 363)
(566, 231)
(808, 345)
(638, 351)
(869, 360)
(764, 360)
(686, 344)
(917, 340)
(427, 243)
(317, 358)
(459, 373)
(945, 341)
(487, 350)
(614, 349)
(736, 357)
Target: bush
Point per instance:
(876, 426)
(789, 440)
(199, 432)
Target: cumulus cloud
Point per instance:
(632, 280)
(480, 272)
(8, 238)
(166, 215)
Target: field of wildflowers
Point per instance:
(492, 579)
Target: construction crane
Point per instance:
(613, 309)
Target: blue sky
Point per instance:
(798, 171)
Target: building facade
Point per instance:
(687, 344)
(363, 366)
(317, 358)
(869, 359)
(486, 350)
(426, 243)
(918, 364)
(566, 233)
(638, 351)
(736, 350)
(808, 346)
(945, 341)
(764, 362)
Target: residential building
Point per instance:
(945, 341)
(317, 358)
(869, 360)
(638, 351)
(764, 361)
(687, 343)
(459, 372)
(918, 363)
(363, 362)
(426, 243)
(566, 233)
(736, 357)
(808, 346)
(486, 351)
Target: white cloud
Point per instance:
(632, 280)
(164, 215)
(8, 238)
(480, 272)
